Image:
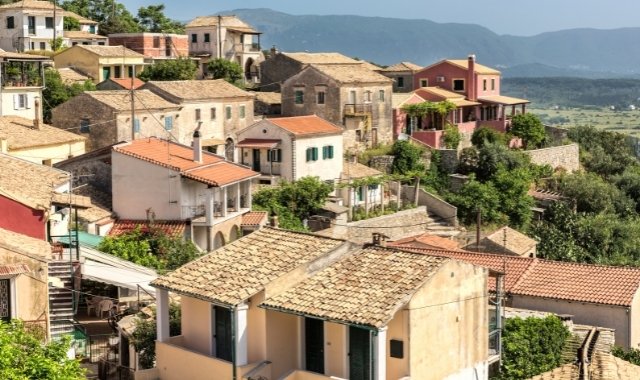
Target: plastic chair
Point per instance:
(105, 306)
(90, 305)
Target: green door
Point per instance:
(314, 345)
(106, 73)
(222, 332)
(256, 160)
(359, 354)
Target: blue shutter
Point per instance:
(308, 154)
(136, 125)
(315, 154)
(330, 151)
(324, 152)
(168, 123)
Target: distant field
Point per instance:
(619, 121)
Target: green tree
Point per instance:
(152, 19)
(451, 136)
(603, 152)
(57, 92)
(556, 234)
(407, 158)
(443, 109)
(475, 196)
(145, 334)
(532, 346)
(529, 128)
(594, 195)
(632, 355)
(515, 202)
(181, 68)
(71, 23)
(25, 356)
(484, 135)
(112, 17)
(221, 68)
(491, 157)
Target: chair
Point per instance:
(105, 306)
(90, 305)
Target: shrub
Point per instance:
(484, 135)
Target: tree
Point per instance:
(484, 135)
(57, 92)
(25, 356)
(529, 128)
(493, 156)
(221, 68)
(532, 346)
(71, 23)
(632, 355)
(181, 68)
(407, 158)
(443, 108)
(603, 152)
(112, 17)
(417, 111)
(594, 195)
(451, 136)
(145, 334)
(152, 19)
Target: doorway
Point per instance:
(314, 345)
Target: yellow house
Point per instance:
(101, 62)
(279, 304)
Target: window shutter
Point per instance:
(330, 151)
(308, 154)
(315, 154)
(168, 123)
(136, 125)
(324, 153)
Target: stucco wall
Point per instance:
(9, 106)
(31, 290)
(50, 154)
(282, 342)
(564, 156)
(275, 70)
(196, 325)
(19, 218)
(257, 131)
(398, 329)
(336, 360)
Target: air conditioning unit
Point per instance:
(440, 78)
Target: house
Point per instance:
(345, 94)
(217, 108)
(358, 191)
(227, 37)
(291, 148)
(402, 74)
(34, 141)
(267, 104)
(104, 117)
(120, 84)
(174, 182)
(85, 25)
(79, 37)
(506, 241)
(101, 62)
(427, 241)
(280, 66)
(21, 82)
(596, 295)
(154, 45)
(30, 25)
(278, 304)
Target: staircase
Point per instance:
(441, 227)
(61, 299)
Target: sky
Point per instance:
(515, 17)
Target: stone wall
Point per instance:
(556, 133)
(382, 163)
(564, 156)
(449, 159)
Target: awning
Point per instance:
(243, 29)
(212, 142)
(258, 143)
(122, 277)
(464, 102)
(506, 100)
(11, 270)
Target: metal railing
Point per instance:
(113, 371)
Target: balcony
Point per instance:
(358, 110)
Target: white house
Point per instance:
(30, 25)
(21, 82)
(292, 148)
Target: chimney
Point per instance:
(274, 51)
(379, 240)
(274, 221)
(472, 94)
(197, 147)
(36, 106)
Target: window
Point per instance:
(43, 46)
(117, 72)
(194, 38)
(298, 96)
(367, 96)
(327, 152)
(20, 101)
(228, 112)
(274, 155)
(92, 29)
(493, 84)
(400, 82)
(48, 22)
(312, 154)
(458, 85)
(424, 83)
(320, 97)
(84, 126)
(136, 125)
(156, 42)
(213, 113)
(440, 78)
(358, 135)
(130, 71)
(381, 95)
(484, 85)
(32, 24)
(207, 37)
(197, 113)
(101, 43)
(168, 123)
(11, 22)
(241, 111)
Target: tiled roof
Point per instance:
(306, 125)
(399, 99)
(241, 269)
(357, 170)
(516, 242)
(254, 218)
(425, 240)
(173, 228)
(439, 92)
(100, 203)
(31, 4)
(479, 69)
(200, 89)
(13, 269)
(109, 51)
(28, 183)
(269, 97)
(80, 34)
(125, 83)
(366, 288)
(230, 22)
(20, 133)
(73, 199)
(23, 56)
(320, 58)
(534, 277)
(352, 74)
(81, 20)
(70, 75)
(24, 244)
(403, 66)
(120, 100)
(501, 99)
(214, 170)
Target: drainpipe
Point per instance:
(234, 370)
(630, 327)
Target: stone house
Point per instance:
(104, 117)
(267, 104)
(216, 108)
(101, 62)
(120, 84)
(344, 94)
(154, 45)
(506, 241)
(402, 74)
(322, 309)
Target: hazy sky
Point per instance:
(517, 17)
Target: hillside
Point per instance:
(585, 52)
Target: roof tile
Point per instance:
(306, 125)
(175, 228)
(20, 133)
(200, 89)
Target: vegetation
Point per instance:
(152, 19)
(407, 158)
(145, 334)
(487, 135)
(221, 68)
(151, 248)
(529, 128)
(57, 92)
(451, 136)
(170, 69)
(26, 356)
(631, 355)
(532, 346)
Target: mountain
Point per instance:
(576, 52)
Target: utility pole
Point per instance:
(55, 5)
(219, 36)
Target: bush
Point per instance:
(407, 158)
(484, 135)
(529, 128)
(451, 136)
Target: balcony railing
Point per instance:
(192, 211)
(351, 109)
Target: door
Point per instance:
(106, 73)
(352, 97)
(32, 24)
(5, 300)
(314, 345)
(256, 160)
(359, 354)
(222, 332)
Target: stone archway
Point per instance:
(248, 67)
(233, 233)
(218, 241)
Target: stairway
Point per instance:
(440, 227)
(61, 299)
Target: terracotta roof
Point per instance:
(254, 218)
(173, 228)
(346, 73)
(258, 143)
(320, 58)
(545, 195)
(21, 134)
(28, 183)
(120, 100)
(357, 170)
(80, 34)
(269, 97)
(24, 244)
(200, 89)
(81, 20)
(230, 22)
(366, 288)
(23, 56)
(31, 4)
(13, 269)
(516, 242)
(599, 284)
(241, 269)
(107, 51)
(214, 170)
(70, 75)
(425, 240)
(125, 83)
(479, 69)
(501, 99)
(435, 93)
(403, 66)
(306, 125)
